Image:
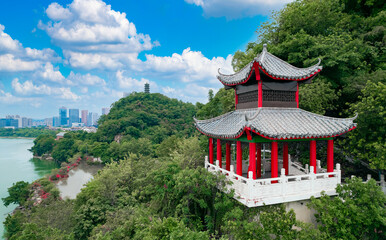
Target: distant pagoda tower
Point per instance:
(267, 112)
(147, 88)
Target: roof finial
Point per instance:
(265, 47)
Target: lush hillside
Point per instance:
(154, 186)
(153, 116)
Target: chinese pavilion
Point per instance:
(267, 112)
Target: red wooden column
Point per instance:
(239, 159)
(313, 154)
(252, 159)
(211, 150)
(297, 96)
(330, 155)
(274, 161)
(258, 162)
(285, 157)
(228, 156)
(219, 153)
(259, 85)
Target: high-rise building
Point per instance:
(24, 122)
(89, 119)
(105, 111)
(73, 116)
(84, 117)
(95, 118)
(48, 122)
(55, 121)
(63, 116)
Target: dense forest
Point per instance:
(26, 132)
(154, 186)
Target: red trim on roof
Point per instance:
(270, 138)
(257, 65)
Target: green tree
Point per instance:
(18, 193)
(368, 140)
(358, 212)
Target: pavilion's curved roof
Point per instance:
(275, 124)
(272, 66)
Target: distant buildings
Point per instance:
(88, 119)
(63, 116)
(84, 117)
(73, 116)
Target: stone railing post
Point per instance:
(206, 162)
(368, 177)
(312, 178)
(289, 164)
(283, 182)
(231, 172)
(307, 172)
(318, 167)
(339, 173)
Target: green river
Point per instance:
(17, 164)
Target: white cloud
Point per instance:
(6, 97)
(189, 66)
(238, 8)
(28, 88)
(87, 79)
(91, 25)
(7, 44)
(132, 83)
(14, 57)
(46, 54)
(57, 12)
(49, 73)
(8, 63)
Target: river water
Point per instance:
(16, 164)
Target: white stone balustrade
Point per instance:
(253, 193)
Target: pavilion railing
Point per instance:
(281, 189)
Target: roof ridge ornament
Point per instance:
(263, 53)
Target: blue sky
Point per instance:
(87, 54)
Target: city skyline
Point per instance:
(86, 54)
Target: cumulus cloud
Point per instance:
(189, 66)
(8, 98)
(49, 73)
(28, 88)
(238, 8)
(9, 63)
(86, 79)
(91, 25)
(14, 57)
(132, 84)
(7, 44)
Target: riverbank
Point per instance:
(18, 165)
(10, 137)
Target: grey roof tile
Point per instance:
(276, 123)
(273, 66)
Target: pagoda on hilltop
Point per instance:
(267, 113)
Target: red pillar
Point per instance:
(285, 157)
(274, 161)
(228, 156)
(219, 153)
(252, 158)
(211, 150)
(239, 159)
(330, 155)
(258, 162)
(297, 96)
(313, 154)
(260, 93)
